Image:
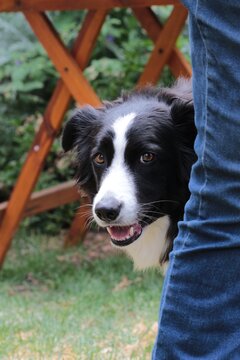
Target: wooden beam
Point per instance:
(80, 223)
(149, 21)
(48, 199)
(47, 5)
(66, 65)
(51, 124)
(164, 45)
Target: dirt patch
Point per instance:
(98, 245)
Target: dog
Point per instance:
(133, 158)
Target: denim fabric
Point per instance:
(200, 308)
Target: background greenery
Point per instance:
(27, 79)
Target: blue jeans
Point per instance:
(200, 308)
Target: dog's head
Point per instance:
(134, 157)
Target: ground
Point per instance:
(80, 303)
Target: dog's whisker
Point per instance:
(90, 222)
(85, 205)
(150, 208)
(84, 209)
(154, 212)
(159, 202)
(152, 215)
(83, 213)
(142, 218)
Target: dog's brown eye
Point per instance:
(99, 159)
(147, 157)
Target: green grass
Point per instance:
(81, 303)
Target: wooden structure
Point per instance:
(73, 84)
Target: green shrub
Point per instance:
(27, 80)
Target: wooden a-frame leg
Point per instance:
(50, 126)
(66, 65)
(176, 61)
(80, 223)
(164, 46)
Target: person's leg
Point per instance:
(200, 308)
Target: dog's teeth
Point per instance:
(131, 232)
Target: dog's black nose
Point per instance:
(108, 209)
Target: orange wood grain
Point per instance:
(164, 45)
(50, 126)
(66, 65)
(80, 223)
(48, 199)
(43, 5)
(149, 21)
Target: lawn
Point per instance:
(81, 303)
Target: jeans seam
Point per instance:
(200, 206)
(203, 158)
(170, 270)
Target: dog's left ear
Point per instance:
(179, 98)
(182, 113)
(81, 127)
(79, 135)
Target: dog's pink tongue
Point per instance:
(119, 232)
(123, 232)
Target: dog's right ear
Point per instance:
(79, 135)
(81, 126)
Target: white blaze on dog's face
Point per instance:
(117, 189)
(134, 158)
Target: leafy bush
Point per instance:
(27, 79)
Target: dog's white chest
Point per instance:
(146, 251)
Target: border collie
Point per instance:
(133, 158)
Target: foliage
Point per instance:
(27, 79)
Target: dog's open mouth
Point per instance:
(124, 235)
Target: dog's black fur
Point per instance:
(164, 125)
